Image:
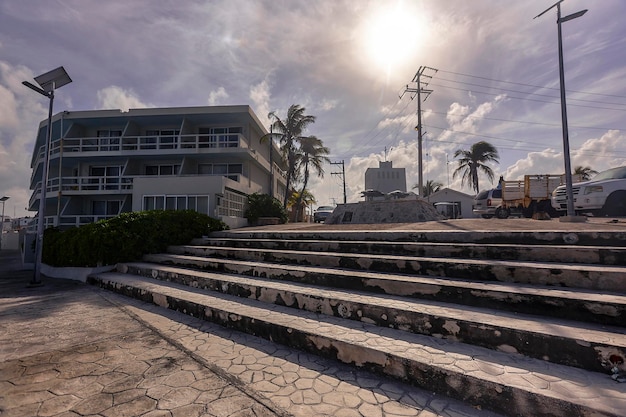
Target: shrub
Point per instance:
(124, 238)
(264, 205)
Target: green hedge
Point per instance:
(124, 238)
(264, 205)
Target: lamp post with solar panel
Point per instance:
(48, 83)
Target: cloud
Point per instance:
(217, 95)
(22, 111)
(599, 153)
(115, 97)
(260, 96)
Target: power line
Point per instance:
(531, 85)
(541, 146)
(527, 92)
(531, 123)
(528, 99)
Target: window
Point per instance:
(219, 137)
(109, 140)
(105, 208)
(232, 171)
(107, 176)
(165, 169)
(199, 203)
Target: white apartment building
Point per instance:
(106, 162)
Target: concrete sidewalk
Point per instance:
(68, 349)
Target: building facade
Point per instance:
(106, 162)
(385, 178)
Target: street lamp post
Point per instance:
(571, 213)
(48, 82)
(3, 200)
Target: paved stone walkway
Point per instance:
(67, 349)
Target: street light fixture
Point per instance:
(3, 199)
(571, 213)
(48, 82)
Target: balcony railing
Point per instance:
(143, 143)
(104, 184)
(81, 184)
(67, 221)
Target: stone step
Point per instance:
(606, 278)
(565, 342)
(506, 237)
(572, 304)
(603, 255)
(510, 384)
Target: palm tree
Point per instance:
(306, 199)
(585, 172)
(312, 153)
(473, 161)
(430, 187)
(289, 133)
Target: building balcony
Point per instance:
(99, 185)
(147, 143)
(138, 145)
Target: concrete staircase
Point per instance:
(521, 323)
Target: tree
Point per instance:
(289, 134)
(312, 155)
(585, 172)
(297, 201)
(473, 161)
(430, 187)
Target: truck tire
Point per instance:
(502, 213)
(615, 204)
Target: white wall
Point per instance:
(447, 195)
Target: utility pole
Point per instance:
(343, 176)
(418, 90)
(448, 169)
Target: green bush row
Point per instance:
(264, 205)
(124, 238)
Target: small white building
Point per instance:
(464, 201)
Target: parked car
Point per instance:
(322, 212)
(603, 195)
(487, 202)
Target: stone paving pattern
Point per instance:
(67, 349)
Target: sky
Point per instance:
(492, 68)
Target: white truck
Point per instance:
(529, 196)
(604, 195)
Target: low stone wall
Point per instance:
(388, 211)
(73, 273)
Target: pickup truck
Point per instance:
(604, 195)
(529, 196)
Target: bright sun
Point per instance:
(392, 37)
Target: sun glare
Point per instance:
(392, 37)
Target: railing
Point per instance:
(94, 183)
(79, 220)
(78, 184)
(66, 221)
(142, 143)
